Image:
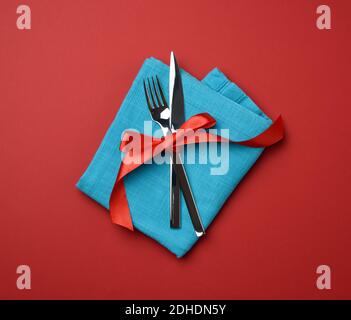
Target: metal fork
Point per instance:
(160, 113)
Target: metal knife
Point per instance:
(177, 118)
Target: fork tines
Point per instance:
(154, 93)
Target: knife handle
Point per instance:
(188, 195)
(175, 198)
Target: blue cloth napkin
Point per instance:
(147, 188)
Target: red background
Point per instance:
(61, 84)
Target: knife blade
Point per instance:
(177, 118)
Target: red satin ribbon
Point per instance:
(150, 147)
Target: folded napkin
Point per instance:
(147, 189)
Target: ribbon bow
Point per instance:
(151, 147)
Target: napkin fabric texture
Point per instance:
(147, 188)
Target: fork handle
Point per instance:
(188, 195)
(174, 198)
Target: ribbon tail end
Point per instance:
(122, 219)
